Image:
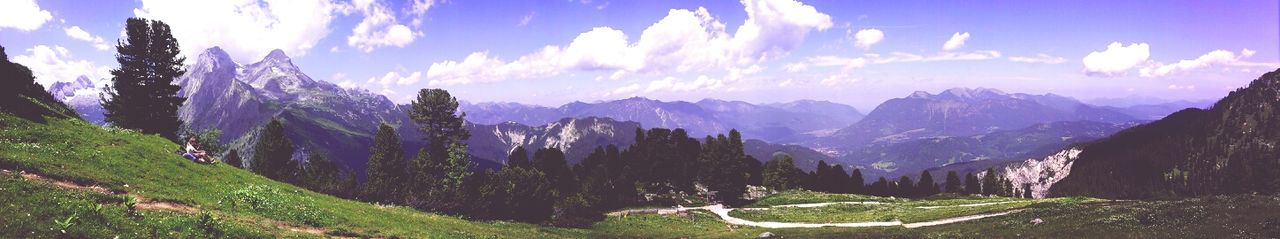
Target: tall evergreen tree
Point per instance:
(856, 184)
(990, 184)
(551, 161)
(926, 187)
(723, 167)
(518, 158)
(322, 175)
(437, 116)
(880, 188)
(142, 95)
(905, 187)
(971, 184)
(273, 154)
(386, 167)
(953, 183)
(233, 159)
(781, 173)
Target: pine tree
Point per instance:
(386, 168)
(905, 187)
(781, 173)
(990, 184)
(142, 95)
(437, 116)
(856, 184)
(925, 187)
(233, 159)
(953, 183)
(322, 175)
(880, 188)
(551, 161)
(273, 154)
(518, 158)
(971, 184)
(18, 89)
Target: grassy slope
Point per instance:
(145, 165)
(1240, 216)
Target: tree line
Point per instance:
(780, 173)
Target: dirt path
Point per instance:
(147, 204)
(824, 204)
(723, 212)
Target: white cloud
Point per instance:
(79, 34)
(682, 41)
(379, 28)
(838, 79)
(957, 40)
(1182, 87)
(895, 57)
(671, 84)
(1213, 58)
(795, 67)
(246, 29)
(1116, 59)
(24, 15)
(395, 78)
(626, 90)
(786, 83)
(524, 21)
(843, 62)
(1040, 58)
(52, 64)
(867, 37)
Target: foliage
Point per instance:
(781, 173)
(142, 95)
(386, 171)
(273, 154)
(21, 96)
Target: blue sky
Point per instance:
(553, 52)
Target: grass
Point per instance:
(907, 211)
(1239, 216)
(803, 196)
(126, 161)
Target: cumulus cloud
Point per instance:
(395, 78)
(671, 84)
(1116, 59)
(1213, 58)
(380, 28)
(683, 41)
(79, 34)
(795, 67)
(1182, 87)
(626, 90)
(957, 40)
(52, 64)
(246, 29)
(867, 37)
(24, 15)
(1040, 58)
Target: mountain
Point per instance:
(498, 113)
(958, 112)
(318, 116)
(21, 96)
(910, 157)
(577, 137)
(1160, 110)
(770, 122)
(806, 159)
(82, 96)
(1227, 148)
(781, 121)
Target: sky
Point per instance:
(549, 53)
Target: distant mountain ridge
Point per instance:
(958, 112)
(769, 122)
(1227, 148)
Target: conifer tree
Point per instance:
(273, 154)
(781, 173)
(990, 184)
(953, 183)
(386, 167)
(905, 187)
(518, 158)
(142, 95)
(925, 187)
(971, 184)
(856, 184)
(233, 159)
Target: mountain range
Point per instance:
(1227, 148)
(770, 122)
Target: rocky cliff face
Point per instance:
(1039, 175)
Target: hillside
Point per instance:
(1228, 148)
(244, 204)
